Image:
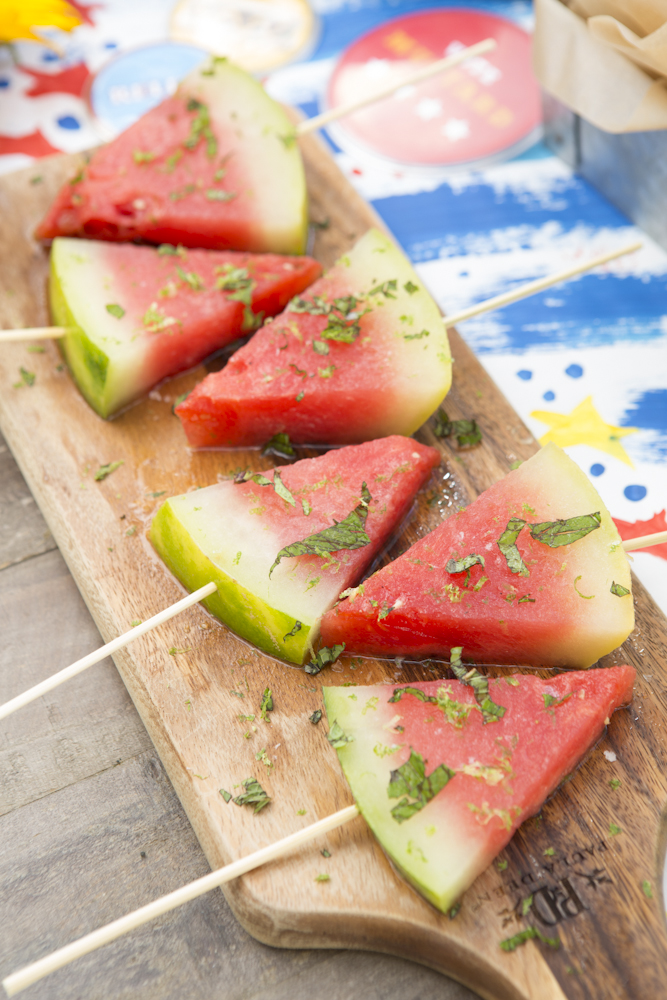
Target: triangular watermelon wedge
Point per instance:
(364, 354)
(442, 790)
(283, 545)
(137, 315)
(504, 578)
(215, 166)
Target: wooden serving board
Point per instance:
(589, 892)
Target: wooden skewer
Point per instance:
(522, 292)
(433, 69)
(104, 651)
(18, 981)
(658, 538)
(532, 287)
(33, 333)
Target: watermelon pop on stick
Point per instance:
(443, 798)
(362, 355)
(134, 315)
(215, 165)
(532, 572)
(281, 546)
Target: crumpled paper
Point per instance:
(605, 59)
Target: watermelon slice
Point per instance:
(442, 790)
(214, 166)
(363, 355)
(283, 545)
(505, 579)
(139, 314)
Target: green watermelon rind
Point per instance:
(443, 876)
(88, 363)
(242, 611)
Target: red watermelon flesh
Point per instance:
(232, 533)
(560, 611)
(138, 314)
(296, 378)
(502, 770)
(213, 166)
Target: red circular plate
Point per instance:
(476, 111)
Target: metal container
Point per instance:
(630, 169)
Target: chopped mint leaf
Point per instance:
(279, 445)
(106, 470)
(556, 533)
(300, 396)
(416, 336)
(325, 853)
(252, 477)
(288, 139)
(526, 905)
(323, 877)
(324, 224)
(512, 943)
(550, 701)
(174, 651)
(236, 281)
(253, 795)
(282, 490)
(618, 590)
(507, 545)
(215, 194)
(466, 432)
(266, 704)
(323, 658)
(191, 279)
(614, 783)
(411, 782)
(154, 320)
(167, 250)
(614, 830)
(115, 310)
(227, 796)
(453, 911)
(337, 737)
(326, 372)
(297, 628)
(37, 179)
(306, 507)
(502, 865)
(646, 888)
(549, 853)
(200, 128)
(465, 565)
(27, 378)
(316, 716)
(316, 306)
(526, 599)
(346, 534)
(35, 349)
(410, 287)
(387, 288)
(139, 156)
(480, 685)
(320, 347)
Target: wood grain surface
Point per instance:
(589, 891)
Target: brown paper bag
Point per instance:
(605, 59)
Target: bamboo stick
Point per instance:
(433, 69)
(657, 538)
(104, 651)
(532, 287)
(33, 333)
(18, 981)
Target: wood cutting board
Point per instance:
(589, 892)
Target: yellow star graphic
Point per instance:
(584, 425)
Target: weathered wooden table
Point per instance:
(91, 828)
